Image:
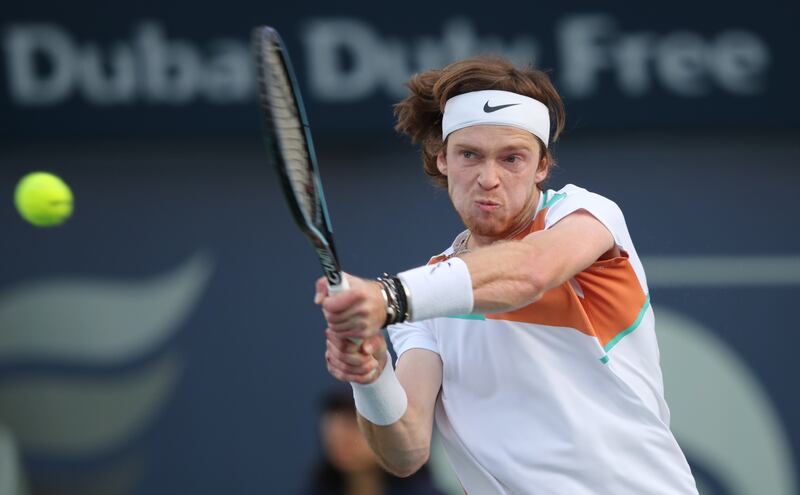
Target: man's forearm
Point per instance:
(510, 275)
(402, 447)
(505, 276)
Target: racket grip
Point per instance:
(343, 286)
(335, 289)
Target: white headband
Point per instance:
(491, 107)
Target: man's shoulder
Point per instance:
(571, 190)
(571, 198)
(574, 193)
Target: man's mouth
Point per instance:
(486, 205)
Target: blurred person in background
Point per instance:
(348, 466)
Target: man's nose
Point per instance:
(489, 178)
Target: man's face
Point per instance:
(492, 172)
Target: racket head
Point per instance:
(289, 145)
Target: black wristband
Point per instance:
(401, 299)
(395, 298)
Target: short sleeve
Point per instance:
(416, 335)
(572, 198)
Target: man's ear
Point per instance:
(543, 170)
(441, 162)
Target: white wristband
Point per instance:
(443, 289)
(383, 401)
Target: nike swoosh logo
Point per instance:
(489, 109)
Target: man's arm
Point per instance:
(403, 446)
(510, 275)
(505, 276)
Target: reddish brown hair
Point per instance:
(419, 115)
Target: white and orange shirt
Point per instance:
(564, 396)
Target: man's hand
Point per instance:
(349, 363)
(357, 313)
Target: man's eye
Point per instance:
(468, 154)
(512, 159)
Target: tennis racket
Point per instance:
(287, 136)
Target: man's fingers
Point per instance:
(342, 343)
(366, 378)
(344, 377)
(321, 290)
(343, 371)
(375, 345)
(351, 313)
(356, 328)
(357, 332)
(353, 330)
(351, 358)
(343, 301)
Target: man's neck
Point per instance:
(475, 241)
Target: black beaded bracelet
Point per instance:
(395, 299)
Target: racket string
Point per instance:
(284, 118)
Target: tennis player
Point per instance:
(530, 341)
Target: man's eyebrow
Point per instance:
(519, 144)
(516, 143)
(467, 146)
(504, 149)
(517, 147)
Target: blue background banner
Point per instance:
(138, 74)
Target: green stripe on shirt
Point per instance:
(628, 330)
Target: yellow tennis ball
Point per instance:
(43, 199)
